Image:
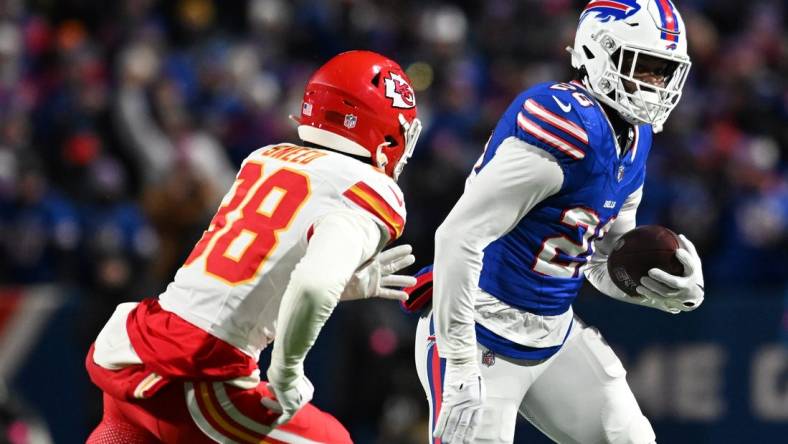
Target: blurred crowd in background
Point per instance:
(122, 125)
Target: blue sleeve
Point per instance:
(556, 122)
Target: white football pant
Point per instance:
(579, 395)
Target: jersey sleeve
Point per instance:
(341, 243)
(553, 120)
(383, 201)
(519, 177)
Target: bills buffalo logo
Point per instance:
(606, 10)
(398, 90)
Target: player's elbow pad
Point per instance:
(447, 237)
(441, 234)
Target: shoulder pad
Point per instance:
(383, 200)
(561, 118)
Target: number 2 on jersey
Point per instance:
(581, 98)
(547, 261)
(248, 223)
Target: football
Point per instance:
(640, 250)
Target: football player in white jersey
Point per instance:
(301, 229)
(561, 178)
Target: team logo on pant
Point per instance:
(488, 358)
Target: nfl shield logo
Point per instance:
(488, 358)
(350, 121)
(307, 109)
(620, 175)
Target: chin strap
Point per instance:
(381, 160)
(411, 132)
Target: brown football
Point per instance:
(640, 250)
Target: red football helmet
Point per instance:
(361, 103)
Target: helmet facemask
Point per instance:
(624, 86)
(410, 132)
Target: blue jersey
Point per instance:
(537, 266)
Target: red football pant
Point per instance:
(208, 412)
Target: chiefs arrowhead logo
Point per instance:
(398, 90)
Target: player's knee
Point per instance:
(621, 419)
(498, 422)
(335, 432)
(623, 422)
(316, 425)
(114, 430)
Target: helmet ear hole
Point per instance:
(589, 55)
(351, 105)
(391, 141)
(636, 57)
(335, 117)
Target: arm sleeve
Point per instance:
(596, 271)
(375, 199)
(340, 243)
(517, 178)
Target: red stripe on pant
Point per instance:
(206, 389)
(437, 386)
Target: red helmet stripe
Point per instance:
(669, 21)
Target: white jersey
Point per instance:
(232, 283)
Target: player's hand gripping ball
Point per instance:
(652, 263)
(640, 250)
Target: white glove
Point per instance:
(463, 399)
(676, 293)
(374, 279)
(289, 400)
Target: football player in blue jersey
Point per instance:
(559, 182)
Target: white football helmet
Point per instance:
(614, 38)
